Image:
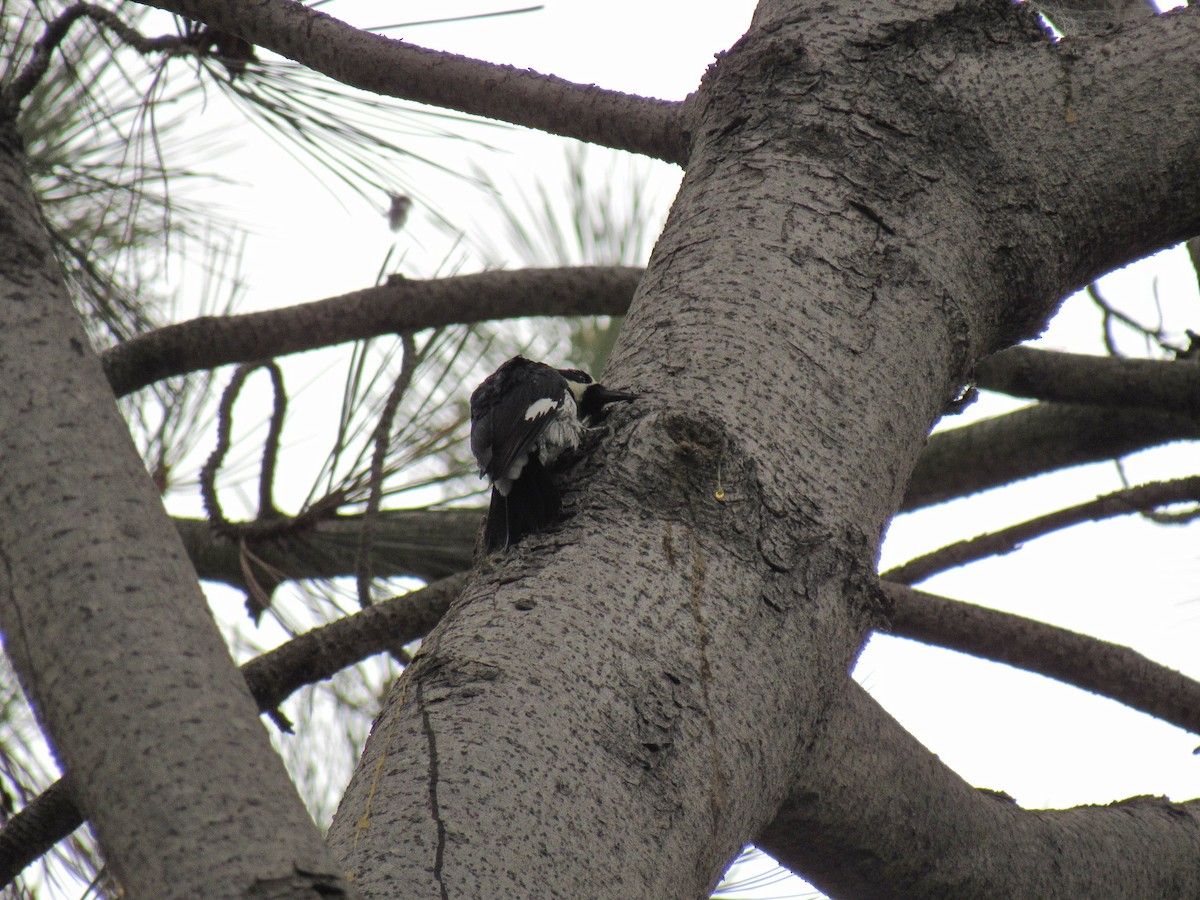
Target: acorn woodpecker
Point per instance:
(524, 417)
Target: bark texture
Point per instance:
(878, 196)
(106, 626)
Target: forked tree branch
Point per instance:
(886, 806)
(1142, 499)
(1109, 670)
(317, 655)
(397, 69)
(400, 305)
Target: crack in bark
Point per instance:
(434, 807)
(703, 639)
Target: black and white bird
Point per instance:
(525, 417)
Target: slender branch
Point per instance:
(1086, 662)
(57, 29)
(267, 513)
(400, 305)
(363, 569)
(396, 69)
(1111, 314)
(1171, 386)
(270, 458)
(1118, 503)
(272, 677)
(1034, 441)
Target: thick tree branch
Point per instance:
(417, 543)
(400, 305)
(396, 69)
(1034, 441)
(1141, 499)
(875, 814)
(273, 677)
(1170, 386)
(103, 619)
(1109, 670)
(323, 652)
(1135, 176)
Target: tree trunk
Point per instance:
(613, 710)
(878, 195)
(106, 626)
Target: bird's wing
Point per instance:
(509, 412)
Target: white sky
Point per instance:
(1125, 581)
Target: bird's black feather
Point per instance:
(501, 430)
(532, 504)
(525, 417)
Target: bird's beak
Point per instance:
(605, 396)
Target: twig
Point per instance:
(57, 29)
(1111, 314)
(269, 521)
(382, 440)
(208, 472)
(266, 474)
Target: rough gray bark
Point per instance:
(919, 831)
(879, 195)
(106, 626)
(876, 198)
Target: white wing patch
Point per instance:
(540, 408)
(562, 433)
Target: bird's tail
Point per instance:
(532, 505)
